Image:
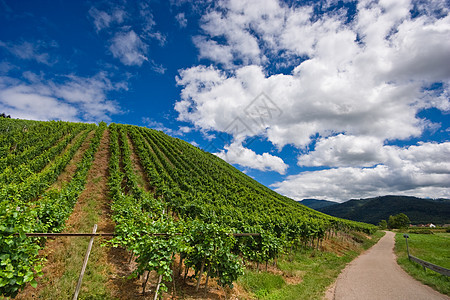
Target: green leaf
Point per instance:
(28, 277)
(34, 283)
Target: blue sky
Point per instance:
(315, 99)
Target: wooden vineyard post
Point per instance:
(83, 268)
(157, 287)
(181, 264)
(144, 285)
(174, 292)
(200, 275)
(207, 277)
(185, 273)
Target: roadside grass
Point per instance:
(434, 248)
(317, 269)
(367, 243)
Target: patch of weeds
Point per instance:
(261, 283)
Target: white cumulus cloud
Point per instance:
(235, 153)
(131, 30)
(351, 87)
(422, 170)
(31, 50)
(181, 19)
(73, 99)
(343, 151)
(129, 48)
(103, 19)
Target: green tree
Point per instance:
(398, 221)
(391, 222)
(382, 224)
(402, 220)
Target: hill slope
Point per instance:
(372, 210)
(199, 184)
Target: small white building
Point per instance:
(431, 225)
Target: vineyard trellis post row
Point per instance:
(95, 234)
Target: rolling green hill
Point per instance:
(372, 210)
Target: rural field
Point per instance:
(136, 182)
(431, 246)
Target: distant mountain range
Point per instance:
(372, 210)
(317, 204)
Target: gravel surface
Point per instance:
(376, 275)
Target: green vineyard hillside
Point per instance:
(195, 198)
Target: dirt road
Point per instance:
(376, 275)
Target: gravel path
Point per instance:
(376, 275)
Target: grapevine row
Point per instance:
(20, 262)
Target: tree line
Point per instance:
(395, 222)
